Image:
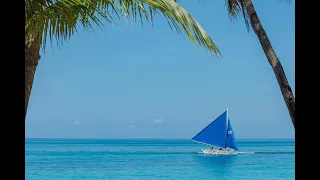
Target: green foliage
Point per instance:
(60, 19)
(236, 8)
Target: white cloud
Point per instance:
(158, 121)
(76, 122)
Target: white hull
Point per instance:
(218, 152)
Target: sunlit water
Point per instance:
(155, 159)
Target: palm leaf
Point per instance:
(236, 8)
(61, 18)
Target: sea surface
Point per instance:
(66, 159)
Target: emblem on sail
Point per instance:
(229, 132)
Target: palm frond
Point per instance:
(182, 21)
(235, 9)
(61, 18)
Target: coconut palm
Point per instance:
(245, 8)
(60, 19)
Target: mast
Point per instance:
(225, 143)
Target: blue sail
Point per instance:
(231, 141)
(215, 133)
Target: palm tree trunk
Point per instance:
(32, 57)
(272, 58)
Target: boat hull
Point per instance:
(218, 152)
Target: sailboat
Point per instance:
(219, 135)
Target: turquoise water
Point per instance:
(155, 159)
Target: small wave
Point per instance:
(149, 153)
(246, 152)
(275, 152)
(266, 152)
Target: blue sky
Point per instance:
(131, 81)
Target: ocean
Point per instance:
(66, 159)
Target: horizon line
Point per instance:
(71, 138)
